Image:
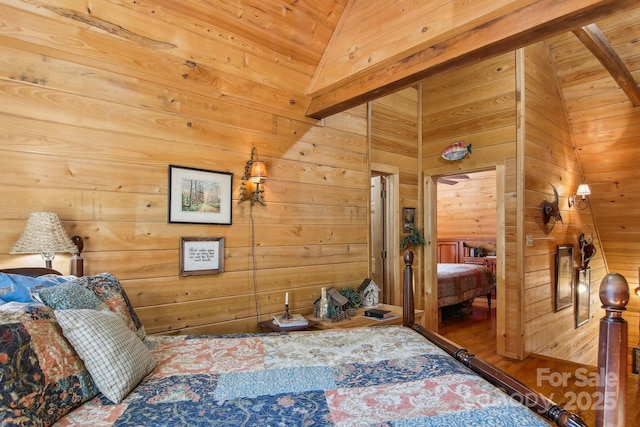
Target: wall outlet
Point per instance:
(529, 240)
(635, 366)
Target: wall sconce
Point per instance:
(44, 234)
(582, 202)
(255, 172)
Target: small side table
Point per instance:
(269, 326)
(360, 320)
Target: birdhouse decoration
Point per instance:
(369, 293)
(337, 305)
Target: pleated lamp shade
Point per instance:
(44, 234)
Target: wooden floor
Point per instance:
(477, 333)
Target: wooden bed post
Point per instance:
(612, 352)
(505, 382)
(408, 312)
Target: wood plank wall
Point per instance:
(606, 128)
(468, 209)
(550, 159)
(477, 105)
(395, 144)
(91, 120)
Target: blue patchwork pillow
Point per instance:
(111, 292)
(67, 296)
(16, 287)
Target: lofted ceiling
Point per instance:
(606, 130)
(347, 52)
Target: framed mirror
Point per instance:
(564, 277)
(583, 296)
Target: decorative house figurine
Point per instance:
(369, 293)
(331, 305)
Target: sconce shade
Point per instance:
(258, 170)
(255, 171)
(44, 234)
(579, 200)
(583, 190)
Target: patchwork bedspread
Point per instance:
(387, 376)
(458, 283)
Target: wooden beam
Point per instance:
(594, 40)
(519, 26)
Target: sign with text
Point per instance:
(201, 255)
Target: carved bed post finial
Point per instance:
(612, 352)
(408, 318)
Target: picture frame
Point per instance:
(408, 219)
(564, 277)
(583, 296)
(201, 255)
(199, 196)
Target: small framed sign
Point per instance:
(201, 255)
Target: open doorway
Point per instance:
(467, 233)
(383, 264)
(378, 248)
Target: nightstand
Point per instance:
(360, 319)
(269, 326)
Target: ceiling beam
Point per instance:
(522, 23)
(597, 43)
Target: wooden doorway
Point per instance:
(383, 215)
(467, 208)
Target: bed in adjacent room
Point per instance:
(78, 355)
(458, 283)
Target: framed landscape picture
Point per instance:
(199, 196)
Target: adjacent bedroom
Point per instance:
(467, 221)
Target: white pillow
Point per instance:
(112, 353)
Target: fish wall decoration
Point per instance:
(456, 151)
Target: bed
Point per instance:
(395, 375)
(464, 271)
(458, 283)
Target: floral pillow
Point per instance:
(109, 290)
(42, 376)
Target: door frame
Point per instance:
(392, 235)
(430, 317)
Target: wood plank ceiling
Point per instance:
(606, 130)
(353, 51)
(356, 50)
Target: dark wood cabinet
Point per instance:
(449, 252)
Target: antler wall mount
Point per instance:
(551, 211)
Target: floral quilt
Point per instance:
(381, 376)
